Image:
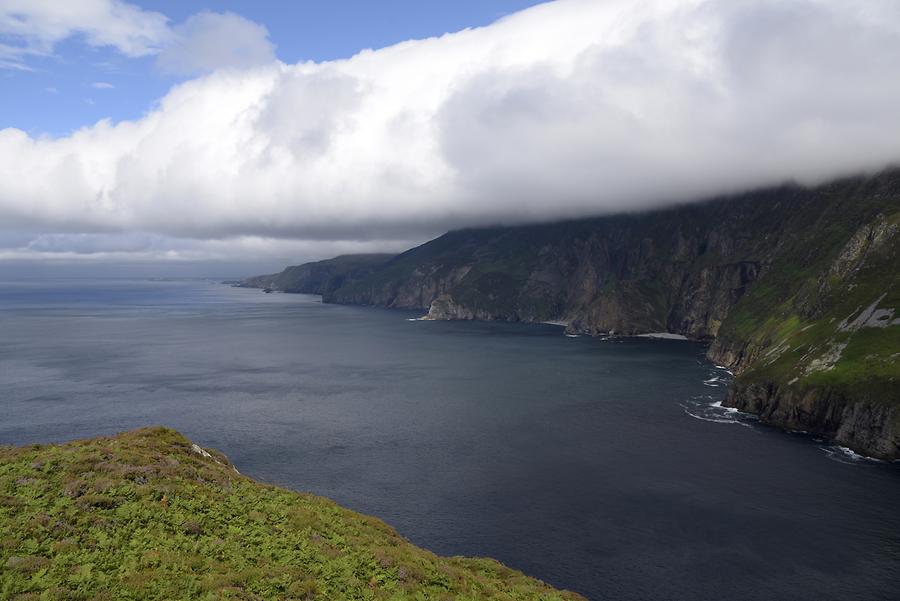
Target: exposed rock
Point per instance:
(869, 426)
(871, 317)
(199, 450)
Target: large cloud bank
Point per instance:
(570, 108)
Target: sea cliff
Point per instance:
(797, 289)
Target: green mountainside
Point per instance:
(795, 287)
(817, 341)
(148, 515)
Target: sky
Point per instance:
(60, 93)
(233, 137)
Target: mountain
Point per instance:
(321, 277)
(149, 515)
(796, 289)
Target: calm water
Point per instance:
(599, 466)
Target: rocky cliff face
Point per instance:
(796, 288)
(817, 344)
(672, 271)
(868, 425)
(679, 270)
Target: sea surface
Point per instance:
(602, 466)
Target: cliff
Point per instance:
(149, 515)
(321, 277)
(816, 343)
(794, 287)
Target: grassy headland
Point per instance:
(148, 515)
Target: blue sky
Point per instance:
(244, 135)
(59, 95)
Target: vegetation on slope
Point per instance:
(148, 515)
(826, 313)
(816, 339)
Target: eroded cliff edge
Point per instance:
(796, 288)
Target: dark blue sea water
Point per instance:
(597, 465)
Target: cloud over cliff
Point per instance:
(570, 108)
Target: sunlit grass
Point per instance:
(144, 516)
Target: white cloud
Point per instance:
(102, 85)
(208, 41)
(34, 27)
(205, 42)
(153, 248)
(570, 108)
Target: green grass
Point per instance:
(143, 516)
(800, 305)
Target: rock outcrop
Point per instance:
(867, 425)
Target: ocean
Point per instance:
(601, 466)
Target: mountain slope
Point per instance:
(321, 277)
(148, 515)
(778, 279)
(816, 343)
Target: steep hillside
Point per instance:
(816, 343)
(321, 277)
(796, 287)
(148, 515)
(624, 274)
